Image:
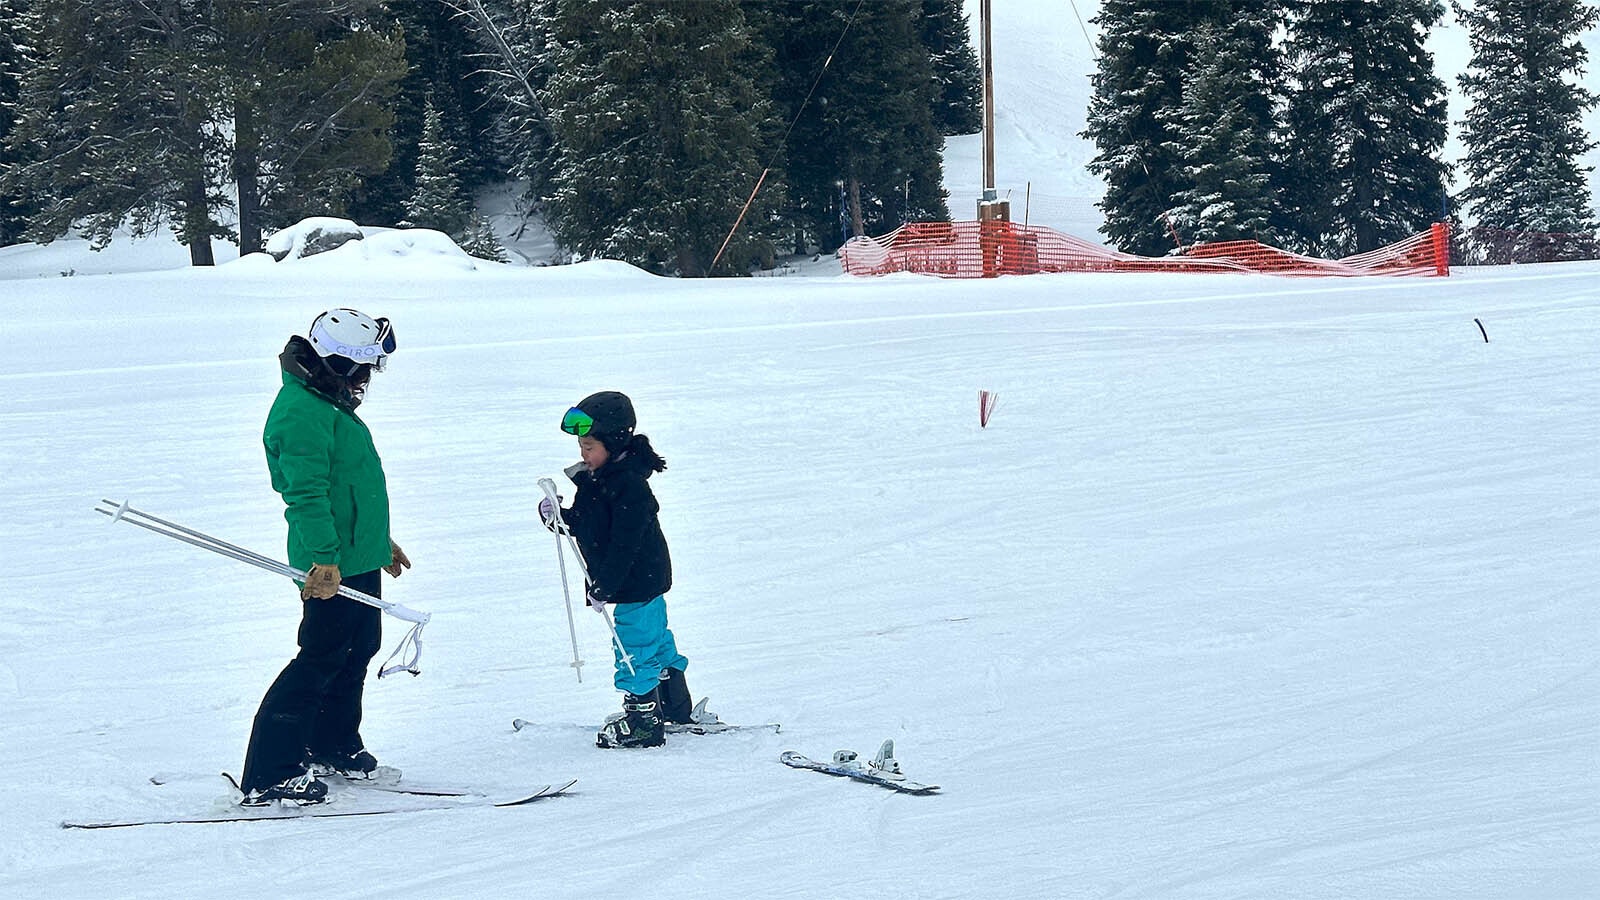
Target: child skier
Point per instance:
(614, 519)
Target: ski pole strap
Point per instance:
(409, 661)
(410, 648)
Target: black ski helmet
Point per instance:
(614, 421)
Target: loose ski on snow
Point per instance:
(882, 770)
(340, 805)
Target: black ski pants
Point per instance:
(314, 707)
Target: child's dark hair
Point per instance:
(640, 444)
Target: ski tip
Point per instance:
(543, 793)
(519, 724)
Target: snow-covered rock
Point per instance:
(308, 237)
(329, 241)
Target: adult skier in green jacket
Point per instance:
(323, 462)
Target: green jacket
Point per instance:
(323, 462)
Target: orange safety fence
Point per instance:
(988, 249)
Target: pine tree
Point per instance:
(1225, 131)
(957, 78)
(444, 59)
(1523, 131)
(1146, 49)
(801, 38)
(1367, 123)
(14, 209)
(310, 86)
(480, 240)
(661, 130)
(439, 202)
(864, 153)
(137, 114)
(513, 37)
(117, 120)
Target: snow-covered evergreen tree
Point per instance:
(136, 115)
(1225, 129)
(14, 208)
(117, 118)
(439, 202)
(480, 240)
(957, 77)
(864, 156)
(1523, 132)
(1135, 111)
(662, 128)
(442, 58)
(1367, 123)
(513, 37)
(310, 90)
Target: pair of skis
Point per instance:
(382, 794)
(676, 727)
(701, 721)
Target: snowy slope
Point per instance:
(1253, 586)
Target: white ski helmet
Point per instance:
(353, 335)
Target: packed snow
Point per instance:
(1251, 587)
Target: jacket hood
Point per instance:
(300, 362)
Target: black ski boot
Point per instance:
(302, 789)
(676, 705)
(357, 765)
(640, 725)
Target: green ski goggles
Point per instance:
(577, 422)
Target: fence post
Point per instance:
(1441, 248)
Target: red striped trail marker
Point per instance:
(986, 402)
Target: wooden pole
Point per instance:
(988, 105)
(990, 206)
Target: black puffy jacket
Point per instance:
(614, 518)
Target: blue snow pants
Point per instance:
(642, 628)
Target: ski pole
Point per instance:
(123, 512)
(583, 568)
(221, 547)
(549, 488)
